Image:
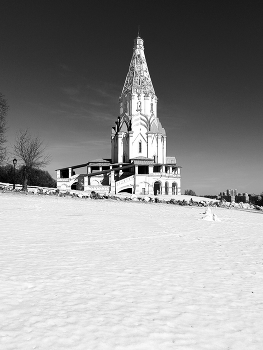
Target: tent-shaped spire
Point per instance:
(138, 79)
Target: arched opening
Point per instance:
(74, 186)
(126, 190)
(79, 184)
(166, 187)
(174, 188)
(157, 188)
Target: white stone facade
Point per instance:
(138, 131)
(138, 163)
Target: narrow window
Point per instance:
(140, 147)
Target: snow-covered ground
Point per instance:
(102, 274)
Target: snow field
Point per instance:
(90, 274)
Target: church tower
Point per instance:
(138, 163)
(138, 132)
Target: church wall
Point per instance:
(130, 140)
(164, 153)
(147, 183)
(157, 148)
(120, 148)
(125, 141)
(137, 140)
(160, 149)
(146, 105)
(155, 106)
(141, 103)
(153, 148)
(114, 149)
(134, 100)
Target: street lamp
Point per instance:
(14, 184)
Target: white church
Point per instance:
(138, 163)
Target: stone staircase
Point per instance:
(127, 182)
(98, 189)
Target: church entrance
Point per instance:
(157, 188)
(174, 188)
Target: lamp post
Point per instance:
(14, 184)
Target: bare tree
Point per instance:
(3, 112)
(31, 151)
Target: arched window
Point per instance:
(174, 188)
(157, 188)
(140, 146)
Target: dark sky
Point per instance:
(63, 65)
